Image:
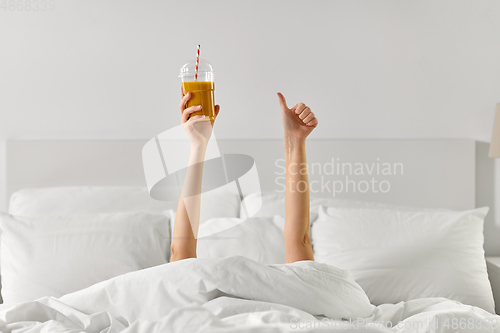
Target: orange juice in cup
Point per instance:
(201, 86)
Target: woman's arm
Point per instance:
(297, 241)
(187, 218)
(187, 222)
(298, 123)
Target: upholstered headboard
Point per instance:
(425, 173)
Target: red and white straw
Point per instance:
(197, 62)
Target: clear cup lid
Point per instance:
(189, 68)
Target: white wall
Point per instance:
(368, 69)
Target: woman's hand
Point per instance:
(198, 128)
(299, 121)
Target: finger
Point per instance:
(308, 119)
(184, 101)
(299, 108)
(217, 109)
(313, 123)
(182, 92)
(188, 111)
(190, 124)
(305, 113)
(282, 101)
(196, 119)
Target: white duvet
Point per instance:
(238, 295)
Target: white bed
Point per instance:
(239, 283)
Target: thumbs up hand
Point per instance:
(299, 121)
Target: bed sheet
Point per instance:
(238, 295)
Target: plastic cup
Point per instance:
(201, 88)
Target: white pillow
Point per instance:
(52, 256)
(84, 200)
(398, 255)
(273, 203)
(259, 239)
(93, 200)
(220, 202)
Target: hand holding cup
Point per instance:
(198, 127)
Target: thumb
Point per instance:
(283, 105)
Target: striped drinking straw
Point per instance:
(197, 62)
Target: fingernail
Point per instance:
(199, 106)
